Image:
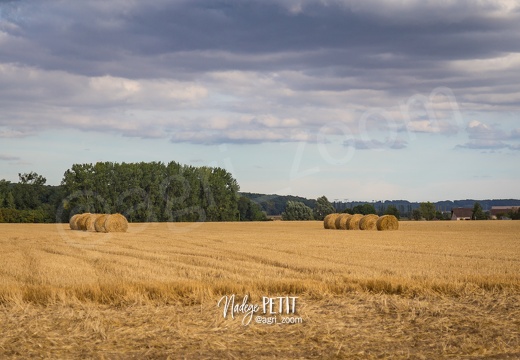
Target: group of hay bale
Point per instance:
(360, 222)
(99, 222)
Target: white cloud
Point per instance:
(60, 88)
(489, 137)
(124, 67)
(241, 129)
(428, 126)
(475, 125)
(505, 62)
(480, 131)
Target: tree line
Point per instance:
(157, 192)
(150, 192)
(426, 211)
(296, 210)
(143, 192)
(415, 210)
(29, 200)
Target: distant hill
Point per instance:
(275, 204)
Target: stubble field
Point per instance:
(429, 290)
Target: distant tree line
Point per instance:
(152, 192)
(426, 211)
(29, 200)
(515, 215)
(415, 210)
(299, 211)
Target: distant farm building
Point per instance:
(461, 213)
(498, 212)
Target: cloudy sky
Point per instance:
(358, 100)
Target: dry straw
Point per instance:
(90, 222)
(368, 222)
(99, 224)
(116, 223)
(82, 221)
(387, 222)
(73, 222)
(341, 221)
(330, 221)
(353, 222)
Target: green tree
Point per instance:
(249, 210)
(392, 210)
(364, 209)
(4, 186)
(79, 186)
(416, 214)
(177, 190)
(478, 213)
(275, 204)
(427, 210)
(29, 191)
(295, 210)
(31, 178)
(152, 191)
(29, 200)
(9, 201)
(440, 216)
(224, 193)
(322, 208)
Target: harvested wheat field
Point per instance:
(430, 290)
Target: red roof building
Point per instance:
(499, 211)
(461, 213)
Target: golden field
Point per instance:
(430, 290)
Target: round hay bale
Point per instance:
(116, 223)
(82, 221)
(99, 223)
(330, 221)
(387, 222)
(73, 222)
(89, 223)
(368, 222)
(353, 222)
(341, 221)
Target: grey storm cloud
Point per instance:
(150, 69)
(93, 37)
